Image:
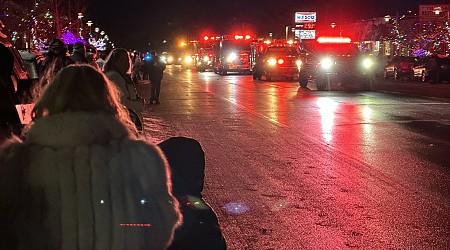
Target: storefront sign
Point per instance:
(433, 10)
(305, 17)
(305, 34)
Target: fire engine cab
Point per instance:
(335, 60)
(232, 54)
(276, 58)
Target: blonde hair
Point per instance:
(81, 87)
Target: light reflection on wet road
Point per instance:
(314, 170)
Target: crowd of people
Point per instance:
(80, 177)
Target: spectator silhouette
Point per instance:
(81, 178)
(156, 72)
(200, 229)
(56, 49)
(9, 118)
(79, 53)
(433, 68)
(118, 68)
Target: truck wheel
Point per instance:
(303, 81)
(256, 76)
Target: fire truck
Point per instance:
(232, 54)
(335, 60)
(205, 53)
(275, 58)
(189, 55)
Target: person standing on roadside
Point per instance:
(9, 118)
(56, 49)
(81, 178)
(434, 68)
(79, 53)
(118, 69)
(157, 67)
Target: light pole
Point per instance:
(80, 16)
(89, 24)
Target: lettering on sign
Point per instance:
(305, 17)
(305, 34)
(433, 10)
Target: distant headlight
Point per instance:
(326, 63)
(163, 58)
(367, 63)
(272, 62)
(206, 58)
(231, 57)
(188, 59)
(299, 63)
(170, 59)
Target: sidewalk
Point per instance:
(425, 89)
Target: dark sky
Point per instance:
(136, 23)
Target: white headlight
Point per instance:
(231, 57)
(299, 63)
(367, 63)
(188, 59)
(206, 58)
(272, 61)
(326, 63)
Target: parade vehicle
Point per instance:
(335, 60)
(205, 53)
(276, 58)
(232, 54)
(189, 55)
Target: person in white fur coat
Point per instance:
(81, 179)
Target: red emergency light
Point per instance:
(332, 39)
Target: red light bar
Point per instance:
(330, 39)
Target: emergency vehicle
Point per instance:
(205, 53)
(275, 58)
(232, 54)
(335, 60)
(189, 55)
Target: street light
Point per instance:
(89, 24)
(80, 16)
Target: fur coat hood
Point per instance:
(74, 129)
(80, 181)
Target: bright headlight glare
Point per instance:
(326, 63)
(231, 57)
(367, 63)
(188, 59)
(280, 61)
(206, 58)
(272, 61)
(299, 63)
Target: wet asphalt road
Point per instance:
(292, 168)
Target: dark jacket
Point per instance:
(156, 68)
(200, 229)
(8, 113)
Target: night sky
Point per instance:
(136, 24)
